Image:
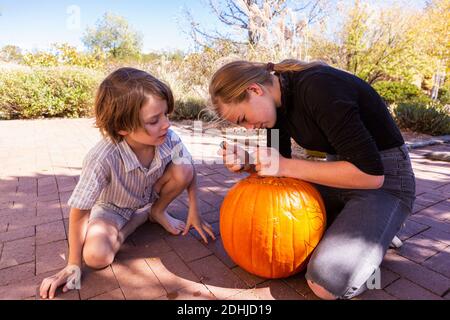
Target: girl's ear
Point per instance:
(256, 89)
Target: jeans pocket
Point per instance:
(408, 184)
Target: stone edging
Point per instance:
(430, 142)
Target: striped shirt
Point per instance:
(113, 177)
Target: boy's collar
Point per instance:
(130, 159)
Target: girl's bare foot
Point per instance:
(172, 225)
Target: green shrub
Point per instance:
(444, 95)
(430, 119)
(27, 93)
(191, 108)
(398, 92)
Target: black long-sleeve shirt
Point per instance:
(329, 110)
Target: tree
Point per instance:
(11, 53)
(434, 40)
(374, 44)
(252, 19)
(114, 36)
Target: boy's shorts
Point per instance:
(109, 215)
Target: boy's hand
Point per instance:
(70, 277)
(194, 220)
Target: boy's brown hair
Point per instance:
(120, 98)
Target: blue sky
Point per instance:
(36, 24)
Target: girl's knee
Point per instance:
(321, 292)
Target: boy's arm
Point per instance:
(194, 217)
(192, 191)
(78, 223)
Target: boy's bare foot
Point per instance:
(172, 225)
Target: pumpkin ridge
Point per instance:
(273, 237)
(293, 225)
(251, 236)
(233, 238)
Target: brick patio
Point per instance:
(40, 162)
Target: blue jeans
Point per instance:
(361, 225)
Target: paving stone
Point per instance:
(17, 234)
(187, 247)
(17, 252)
(387, 277)
(420, 248)
(276, 290)
(137, 280)
(51, 256)
(219, 279)
(375, 295)
(250, 279)
(430, 198)
(172, 272)
(219, 251)
(407, 290)
(112, 295)
(50, 232)
(410, 229)
(197, 291)
(299, 283)
(436, 234)
(432, 222)
(417, 273)
(440, 262)
(440, 211)
(248, 294)
(16, 273)
(97, 282)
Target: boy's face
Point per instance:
(154, 123)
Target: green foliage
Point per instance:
(11, 54)
(191, 108)
(40, 59)
(28, 93)
(114, 36)
(444, 94)
(398, 92)
(70, 56)
(431, 119)
(65, 55)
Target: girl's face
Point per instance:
(258, 111)
(154, 124)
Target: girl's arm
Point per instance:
(337, 174)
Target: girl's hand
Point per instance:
(235, 158)
(269, 162)
(70, 277)
(194, 220)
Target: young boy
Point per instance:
(129, 177)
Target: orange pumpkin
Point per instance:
(270, 226)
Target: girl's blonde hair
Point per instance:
(229, 84)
